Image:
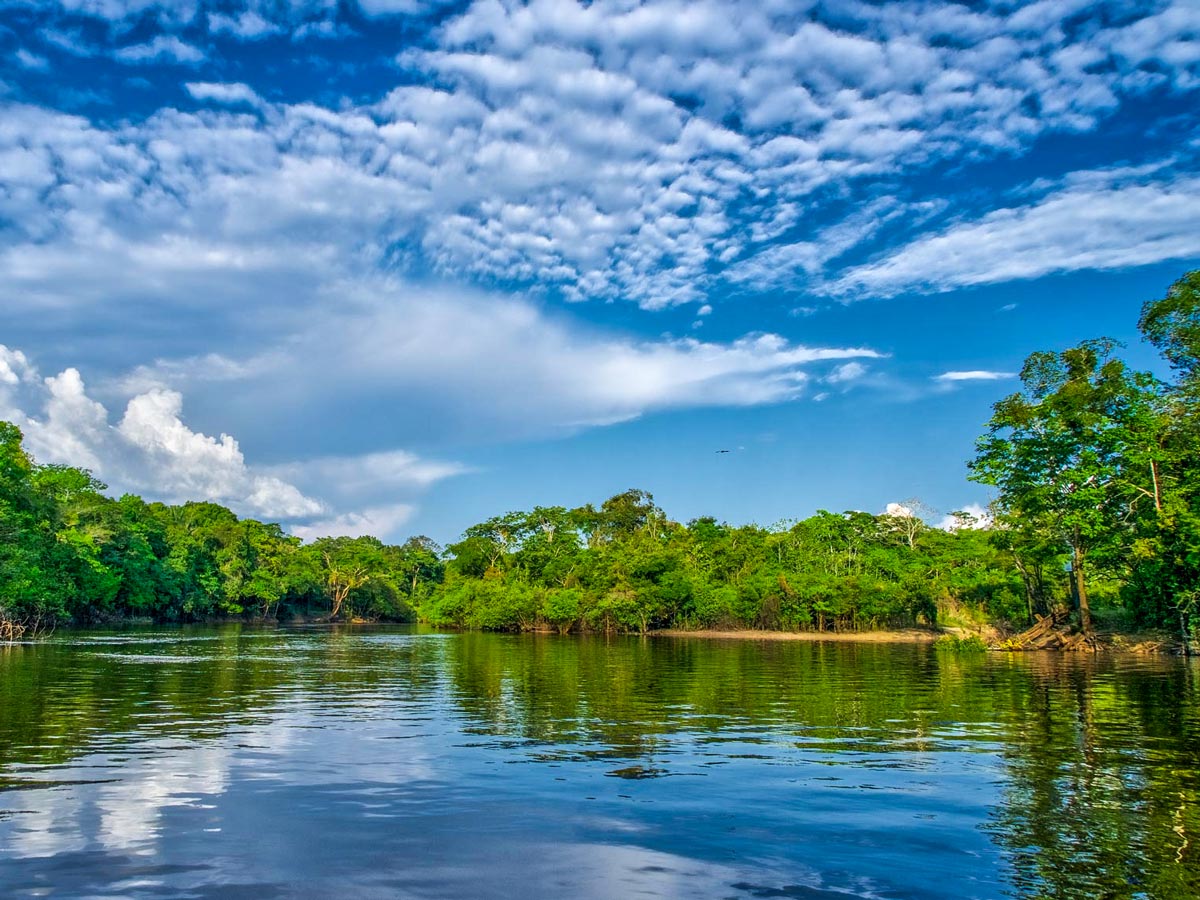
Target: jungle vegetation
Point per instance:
(1095, 468)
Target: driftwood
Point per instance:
(10, 631)
(1050, 633)
(13, 630)
(1044, 626)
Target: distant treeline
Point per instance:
(1095, 468)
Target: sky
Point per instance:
(396, 266)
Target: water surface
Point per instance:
(392, 762)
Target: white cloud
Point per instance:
(782, 263)
(324, 29)
(972, 375)
(847, 372)
(31, 61)
(225, 93)
(152, 451)
(375, 520)
(1094, 220)
(971, 516)
(270, 246)
(612, 151)
(451, 366)
(505, 368)
(161, 49)
(247, 25)
(379, 8)
(187, 464)
(14, 367)
(974, 516)
(74, 428)
(371, 473)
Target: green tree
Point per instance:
(1055, 450)
(348, 564)
(1164, 584)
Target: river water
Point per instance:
(394, 762)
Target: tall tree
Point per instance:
(1164, 582)
(1054, 450)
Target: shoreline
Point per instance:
(1136, 644)
(903, 636)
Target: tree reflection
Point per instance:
(1099, 757)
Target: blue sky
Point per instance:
(393, 266)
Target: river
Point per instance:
(250, 762)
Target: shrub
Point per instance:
(951, 643)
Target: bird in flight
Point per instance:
(722, 451)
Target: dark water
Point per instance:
(235, 762)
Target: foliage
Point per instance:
(68, 553)
(625, 566)
(951, 643)
(1098, 461)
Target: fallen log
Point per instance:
(1051, 633)
(1038, 635)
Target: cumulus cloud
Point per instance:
(187, 464)
(14, 367)
(971, 516)
(1093, 220)
(152, 451)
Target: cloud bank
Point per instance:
(452, 364)
(608, 150)
(1094, 220)
(421, 366)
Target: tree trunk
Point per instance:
(1027, 581)
(339, 597)
(1081, 597)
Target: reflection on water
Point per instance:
(226, 762)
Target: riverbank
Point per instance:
(905, 636)
(1142, 643)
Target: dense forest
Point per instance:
(1094, 467)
